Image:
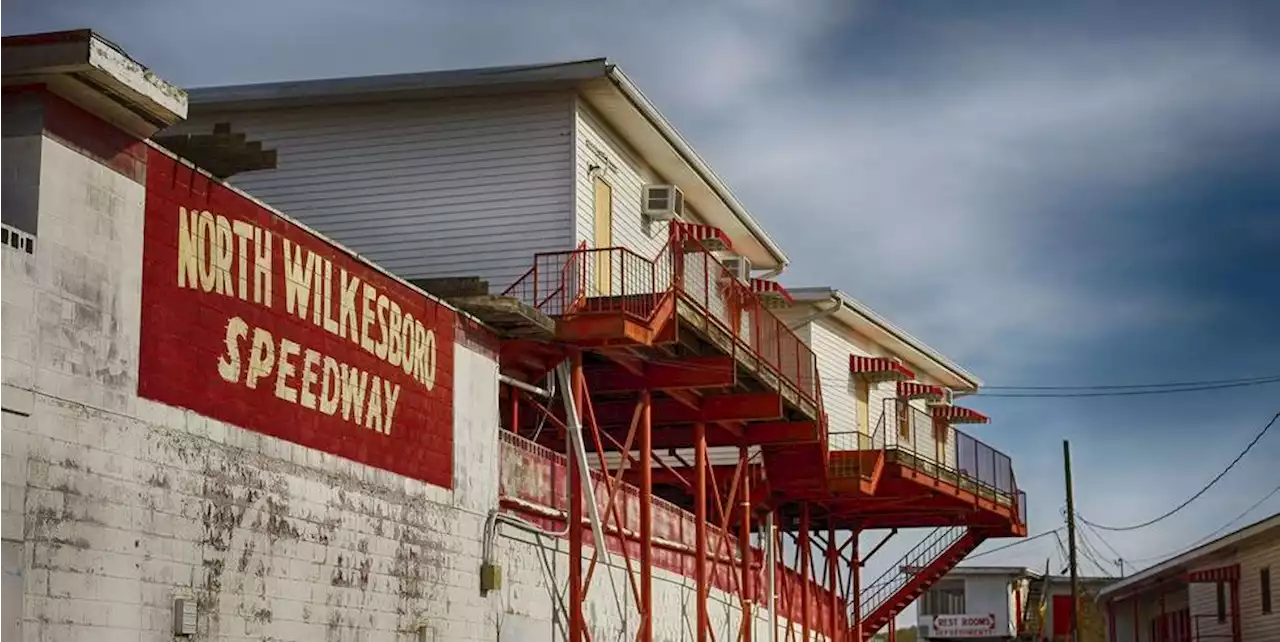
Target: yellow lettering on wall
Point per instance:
(429, 361)
(310, 378)
(285, 369)
(348, 319)
(380, 349)
(395, 340)
(244, 234)
(366, 317)
(330, 386)
(188, 252)
(225, 249)
(262, 267)
(373, 413)
(390, 396)
(262, 358)
(205, 236)
(297, 278)
(229, 363)
(354, 382)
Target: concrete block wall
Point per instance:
(114, 506)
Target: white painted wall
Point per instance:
(468, 186)
(991, 594)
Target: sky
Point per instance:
(1079, 194)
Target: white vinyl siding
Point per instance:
(839, 398)
(595, 144)
(1254, 625)
(432, 188)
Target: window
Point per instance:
(1264, 582)
(1222, 602)
(945, 599)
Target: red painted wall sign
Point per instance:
(250, 319)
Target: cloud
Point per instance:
(992, 183)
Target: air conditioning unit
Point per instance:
(662, 202)
(948, 398)
(739, 267)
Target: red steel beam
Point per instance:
(744, 544)
(646, 519)
(686, 374)
(780, 433)
(856, 591)
(576, 594)
(754, 406)
(805, 555)
(700, 530)
(833, 578)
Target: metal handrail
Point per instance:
(586, 280)
(938, 449)
(895, 577)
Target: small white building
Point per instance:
(1221, 591)
(975, 603)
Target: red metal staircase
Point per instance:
(918, 570)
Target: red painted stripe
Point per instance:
(96, 138)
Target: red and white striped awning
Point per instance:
(1214, 575)
(917, 390)
(708, 237)
(771, 293)
(878, 368)
(959, 415)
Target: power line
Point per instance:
(1127, 393)
(1178, 384)
(1216, 532)
(1017, 543)
(1196, 496)
(1119, 557)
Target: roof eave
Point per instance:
(1172, 566)
(968, 382)
(655, 118)
(408, 86)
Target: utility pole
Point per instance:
(1071, 542)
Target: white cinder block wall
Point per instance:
(113, 506)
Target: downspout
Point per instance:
(578, 451)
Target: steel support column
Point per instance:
(1137, 627)
(744, 544)
(805, 563)
(1111, 621)
(856, 590)
(646, 517)
(833, 580)
(1236, 632)
(700, 529)
(515, 409)
(577, 479)
(771, 578)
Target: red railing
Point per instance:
(533, 481)
(937, 449)
(584, 281)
